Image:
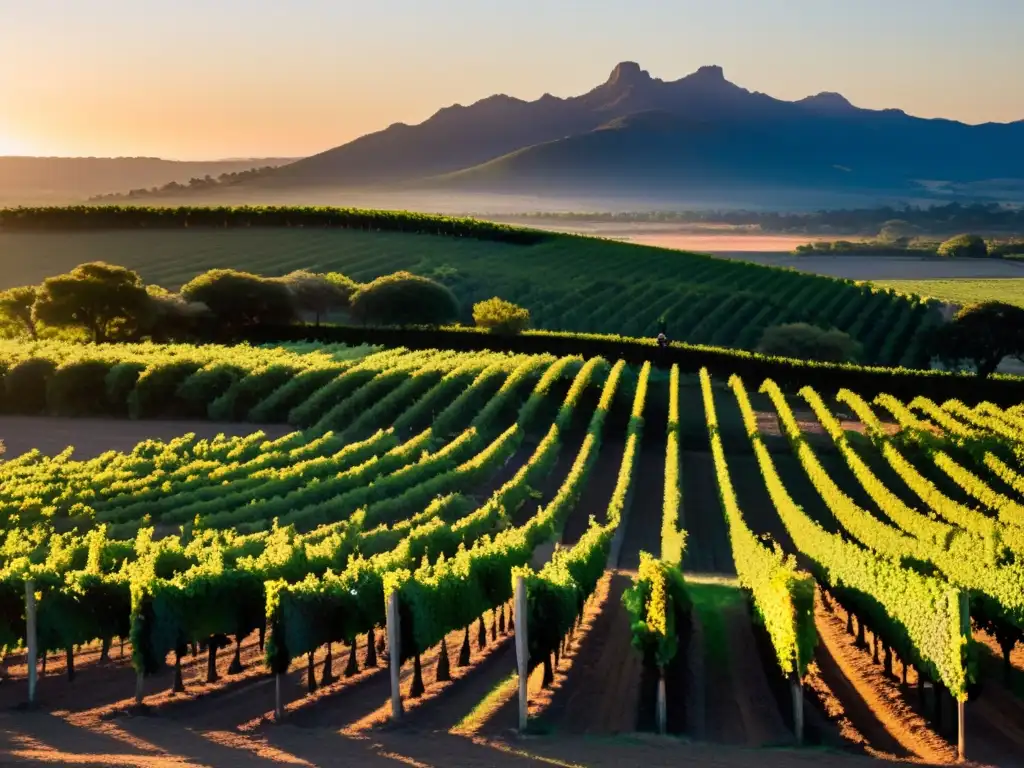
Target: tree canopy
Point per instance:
(109, 302)
(981, 334)
(239, 300)
(964, 247)
(319, 294)
(404, 299)
(809, 342)
(16, 307)
(500, 316)
(172, 318)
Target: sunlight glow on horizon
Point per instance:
(254, 78)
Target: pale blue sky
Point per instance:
(214, 78)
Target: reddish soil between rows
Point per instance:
(91, 437)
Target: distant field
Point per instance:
(964, 291)
(567, 283)
(880, 268)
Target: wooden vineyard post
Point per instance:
(140, 683)
(30, 638)
(961, 726)
(522, 651)
(394, 656)
(662, 704)
(961, 747)
(796, 686)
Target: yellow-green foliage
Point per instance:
(500, 316)
(783, 596)
(656, 600)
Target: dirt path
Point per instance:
(91, 437)
(874, 703)
(599, 695)
(707, 544)
(643, 527)
(731, 700)
(593, 502)
(26, 739)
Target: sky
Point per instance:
(206, 79)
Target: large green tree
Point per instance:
(982, 335)
(809, 342)
(964, 247)
(16, 308)
(239, 300)
(172, 318)
(108, 301)
(404, 299)
(319, 294)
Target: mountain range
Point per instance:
(637, 137)
(636, 133)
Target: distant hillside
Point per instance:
(658, 150)
(57, 180)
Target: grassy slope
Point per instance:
(964, 290)
(577, 284)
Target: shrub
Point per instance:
(154, 392)
(500, 316)
(25, 386)
(119, 383)
(964, 247)
(173, 319)
(244, 394)
(982, 334)
(79, 388)
(108, 301)
(404, 299)
(204, 386)
(16, 308)
(319, 295)
(809, 342)
(240, 300)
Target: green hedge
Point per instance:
(787, 372)
(87, 217)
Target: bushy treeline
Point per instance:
(953, 217)
(194, 184)
(965, 246)
(85, 217)
(104, 302)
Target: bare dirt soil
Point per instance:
(873, 703)
(34, 739)
(707, 545)
(730, 696)
(91, 437)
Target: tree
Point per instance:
(110, 302)
(404, 299)
(500, 316)
(172, 318)
(319, 294)
(809, 342)
(16, 307)
(982, 334)
(238, 300)
(964, 247)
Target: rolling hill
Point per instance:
(57, 180)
